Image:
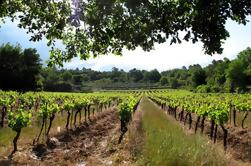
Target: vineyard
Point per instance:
(40, 110)
(35, 119)
(63, 102)
(219, 109)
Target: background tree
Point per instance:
(67, 76)
(19, 69)
(25, 73)
(198, 75)
(51, 77)
(173, 83)
(9, 69)
(115, 74)
(164, 80)
(77, 79)
(31, 69)
(152, 76)
(215, 74)
(238, 76)
(135, 75)
(212, 78)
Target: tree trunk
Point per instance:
(215, 133)
(86, 113)
(185, 118)
(121, 137)
(68, 119)
(181, 115)
(75, 117)
(196, 124)
(234, 117)
(45, 126)
(167, 109)
(225, 137)
(3, 115)
(175, 113)
(89, 111)
(80, 116)
(203, 124)
(42, 127)
(71, 118)
(123, 127)
(230, 115)
(15, 141)
(190, 120)
(136, 106)
(50, 124)
(243, 120)
(212, 129)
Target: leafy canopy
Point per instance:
(92, 27)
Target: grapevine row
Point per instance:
(19, 110)
(216, 108)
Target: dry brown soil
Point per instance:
(91, 144)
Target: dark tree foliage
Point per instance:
(19, 69)
(216, 76)
(164, 80)
(173, 83)
(153, 76)
(59, 87)
(54, 80)
(93, 27)
(136, 75)
(198, 75)
(67, 76)
(77, 79)
(238, 74)
(219, 76)
(30, 69)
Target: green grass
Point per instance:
(166, 143)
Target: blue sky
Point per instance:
(163, 57)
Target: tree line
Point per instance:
(22, 70)
(219, 76)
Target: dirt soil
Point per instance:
(91, 144)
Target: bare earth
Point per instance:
(93, 143)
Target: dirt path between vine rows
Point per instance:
(92, 144)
